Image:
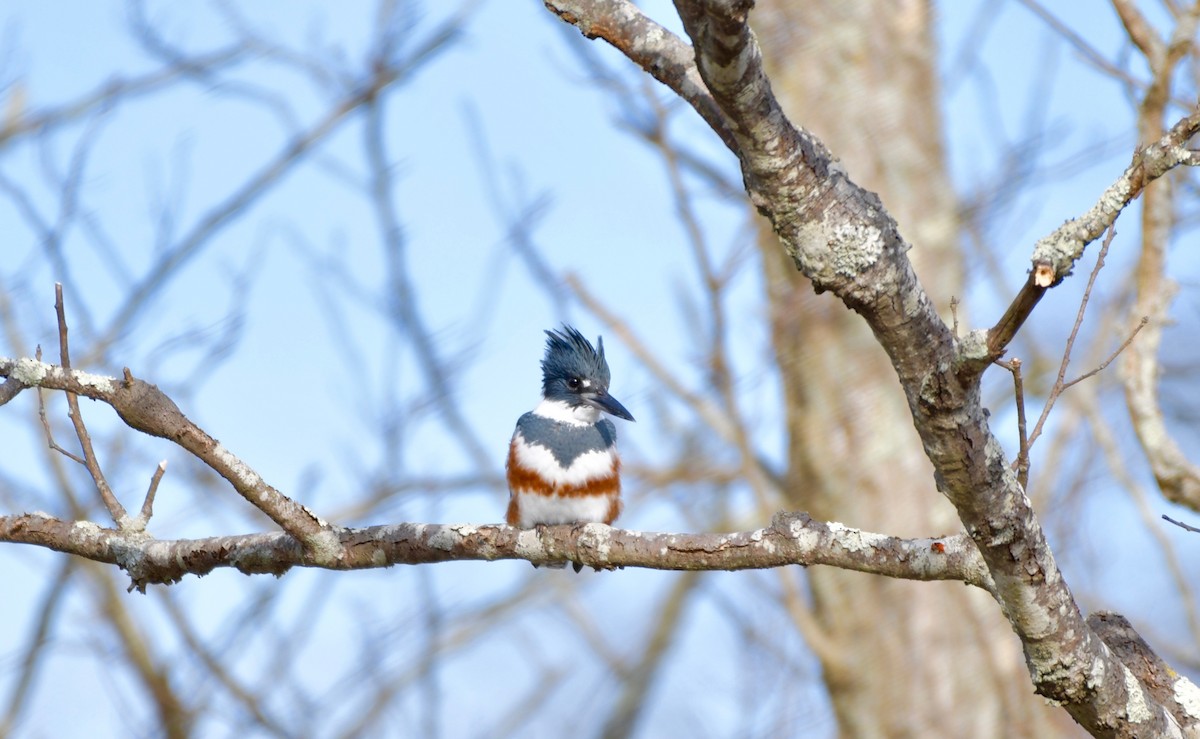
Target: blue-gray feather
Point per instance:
(566, 441)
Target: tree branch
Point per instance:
(1055, 255)
(663, 55)
(792, 538)
(1165, 685)
(144, 407)
(115, 509)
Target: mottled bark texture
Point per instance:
(861, 76)
(791, 539)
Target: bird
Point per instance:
(562, 461)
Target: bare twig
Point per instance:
(148, 504)
(1181, 524)
(670, 60)
(45, 420)
(115, 509)
(1056, 254)
(1139, 30)
(1021, 463)
(1059, 383)
(1087, 51)
(146, 408)
(108, 93)
(1018, 311)
(1116, 353)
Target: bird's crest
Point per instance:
(569, 354)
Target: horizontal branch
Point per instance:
(791, 539)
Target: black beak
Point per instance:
(608, 404)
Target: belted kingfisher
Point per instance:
(562, 461)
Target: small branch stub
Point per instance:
(1043, 274)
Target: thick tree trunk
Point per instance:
(902, 659)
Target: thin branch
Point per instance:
(663, 55)
(1018, 311)
(1088, 52)
(145, 408)
(220, 672)
(1055, 254)
(288, 157)
(1116, 353)
(402, 305)
(1177, 476)
(1059, 383)
(148, 504)
(1140, 32)
(1181, 524)
(50, 442)
(109, 93)
(1021, 463)
(115, 509)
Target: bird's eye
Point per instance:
(573, 383)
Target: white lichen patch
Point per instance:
(974, 345)
(1057, 248)
(1115, 197)
(529, 544)
(651, 39)
(597, 537)
(445, 538)
(313, 515)
(806, 538)
(85, 529)
(325, 547)
(379, 558)
(29, 372)
(756, 535)
(1136, 708)
(1188, 696)
(855, 246)
(240, 469)
(100, 382)
(1030, 616)
(854, 540)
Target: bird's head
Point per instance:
(575, 373)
